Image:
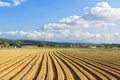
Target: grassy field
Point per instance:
(59, 64)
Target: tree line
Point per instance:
(6, 43)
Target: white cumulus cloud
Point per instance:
(4, 4)
(11, 3)
(102, 11)
(17, 2)
(99, 24)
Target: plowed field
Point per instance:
(59, 64)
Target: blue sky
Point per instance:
(46, 19)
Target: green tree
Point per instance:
(6, 45)
(42, 44)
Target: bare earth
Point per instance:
(59, 64)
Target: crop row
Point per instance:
(59, 64)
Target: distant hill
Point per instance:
(20, 43)
(7, 43)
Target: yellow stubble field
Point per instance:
(59, 64)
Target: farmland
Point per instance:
(59, 64)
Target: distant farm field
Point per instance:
(59, 64)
